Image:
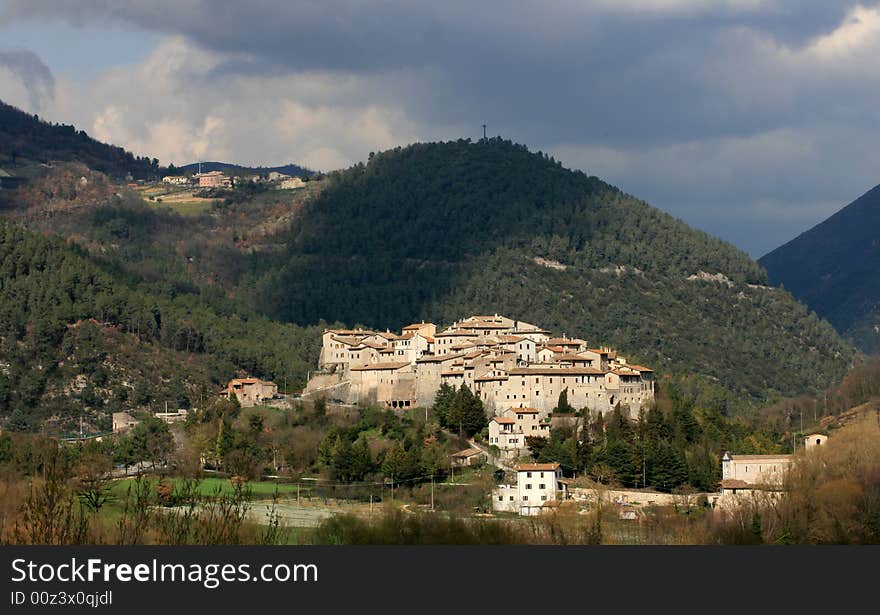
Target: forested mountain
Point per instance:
(835, 269)
(26, 138)
(441, 230)
(77, 339)
(288, 169)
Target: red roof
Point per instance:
(537, 467)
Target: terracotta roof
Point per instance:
(380, 366)
(574, 358)
(452, 373)
(537, 467)
(553, 348)
(430, 339)
(468, 452)
(416, 325)
(639, 368)
(349, 340)
(502, 420)
(388, 335)
(525, 410)
(437, 358)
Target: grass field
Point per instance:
(195, 207)
(222, 486)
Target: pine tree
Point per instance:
(562, 405)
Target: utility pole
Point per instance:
(432, 492)
(484, 131)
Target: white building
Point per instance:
(536, 484)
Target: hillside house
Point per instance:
(536, 485)
(123, 422)
(250, 391)
(468, 457)
(214, 179)
(291, 183)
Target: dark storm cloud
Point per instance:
(726, 113)
(32, 73)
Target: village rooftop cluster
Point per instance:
(506, 363)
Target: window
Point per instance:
(525, 498)
(500, 498)
(542, 486)
(543, 497)
(528, 485)
(511, 499)
(528, 474)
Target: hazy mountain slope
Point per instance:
(835, 269)
(437, 231)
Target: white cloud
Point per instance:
(179, 106)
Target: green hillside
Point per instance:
(441, 230)
(835, 269)
(77, 339)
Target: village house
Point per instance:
(752, 476)
(214, 179)
(509, 431)
(291, 183)
(250, 391)
(123, 422)
(536, 485)
(175, 180)
(468, 457)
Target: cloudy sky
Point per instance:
(750, 119)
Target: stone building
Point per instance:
(505, 362)
(250, 391)
(536, 485)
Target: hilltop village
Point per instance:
(508, 364)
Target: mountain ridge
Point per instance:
(834, 268)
